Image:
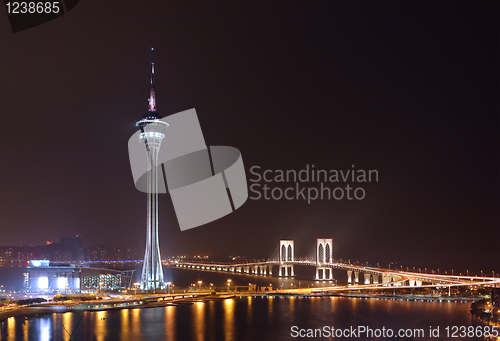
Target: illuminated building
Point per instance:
(152, 133)
(51, 277)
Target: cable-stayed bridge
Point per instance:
(357, 276)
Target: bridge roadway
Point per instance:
(392, 278)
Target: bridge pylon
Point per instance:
(324, 258)
(287, 250)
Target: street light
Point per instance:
(199, 285)
(168, 287)
(228, 284)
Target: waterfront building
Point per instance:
(44, 276)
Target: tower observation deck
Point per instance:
(152, 134)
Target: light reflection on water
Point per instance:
(229, 320)
(26, 327)
(249, 311)
(125, 326)
(199, 317)
(245, 318)
(135, 322)
(212, 320)
(68, 326)
(44, 330)
(270, 308)
(170, 322)
(11, 328)
(100, 325)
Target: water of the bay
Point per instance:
(242, 318)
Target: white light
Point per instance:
(39, 263)
(61, 282)
(43, 283)
(44, 330)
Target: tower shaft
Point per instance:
(152, 271)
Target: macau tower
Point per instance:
(152, 134)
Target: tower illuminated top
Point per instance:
(151, 115)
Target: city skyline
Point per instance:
(374, 89)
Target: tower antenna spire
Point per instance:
(152, 95)
(152, 68)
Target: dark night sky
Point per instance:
(408, 88)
